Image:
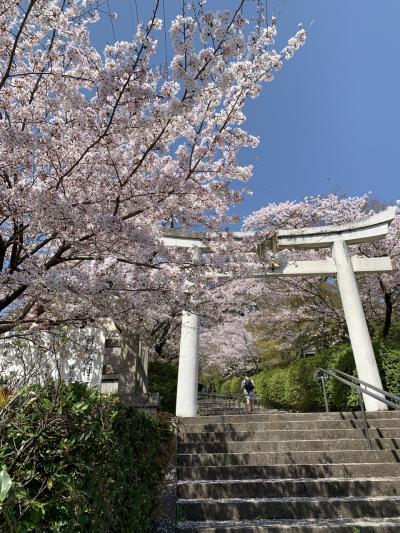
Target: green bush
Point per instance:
(236, 385)
(225, 387)
(302, 390)
(270, 384)
(341, 357)
(389, 363)
(163, 378)
(79, 461)
(294, 387)
(340, 396)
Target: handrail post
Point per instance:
(366, 431)
(323, 380)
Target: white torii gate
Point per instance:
(341, 264)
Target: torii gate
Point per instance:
(341, 264)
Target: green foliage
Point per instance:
(389, 362)
(213, 380)
(271, 385)
(293, 387)
(79, 461)
(340, 396)
(302, 390)
(163, 378)
(230, 386)
(226, 387)
(5, 484)
(235, 385)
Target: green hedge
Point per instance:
(340, 396)
(389, 363)
(79, 461)
(294, 388)
(231, 386)
(163, 378)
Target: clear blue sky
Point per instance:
(331, 118)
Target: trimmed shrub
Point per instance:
(302, 390)
(271, 385)
(294, 387)
(235, 387)
(163, 378)
(79, 461)
(389, 363)
(340, 396)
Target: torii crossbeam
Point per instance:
(341, 264)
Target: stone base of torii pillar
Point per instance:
(341, 264)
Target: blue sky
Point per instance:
(331, 118)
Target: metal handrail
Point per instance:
(232, 399)
(360, 387)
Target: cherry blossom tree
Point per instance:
(229, 347)
(311, 307)
(285, 315)
(99, 151)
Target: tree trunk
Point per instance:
(388, 314)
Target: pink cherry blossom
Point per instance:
(99, 151)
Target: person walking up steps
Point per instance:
(248, 388)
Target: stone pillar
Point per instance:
(361, 344)
(186, 395)
(128, 365)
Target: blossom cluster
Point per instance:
(99, 151)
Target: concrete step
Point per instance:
(287, 446)
(379, 525)
(327, 487)
(223, 412)
(303, 457)
(290, 471)
(291, 508)
(285, 435)
(317, 424)
(275, 415)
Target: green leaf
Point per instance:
(5, 484)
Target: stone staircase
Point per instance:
(291, 472)
(224, 405)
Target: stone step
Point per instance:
(290, 508)
(212, 412)
(328, 487)
(286, 446)
(303, 457)
(275, 415)
(284, 435)
(379, 525)
(289, 471)
(204, 427)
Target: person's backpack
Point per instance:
(248, 385)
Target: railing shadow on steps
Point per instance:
(361, 388)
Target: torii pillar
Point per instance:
(361, 344)
(341, 264)
(186, 393)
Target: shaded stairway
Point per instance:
(289, 472)
(227, 404)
